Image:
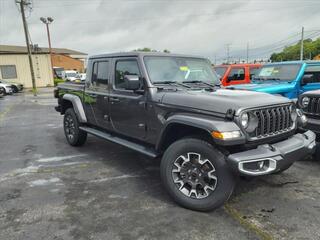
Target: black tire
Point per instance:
(74, 135)
(15, 89)
(316, 155)
(225, 180)
(2, 92)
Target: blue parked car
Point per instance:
(289, 79)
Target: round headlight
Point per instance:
(244, 120)
(305, 102)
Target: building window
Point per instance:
(8, 71)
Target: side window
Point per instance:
(100, 73)
(314, 73)
(253, 72)
(125, 67)
(236, 74)
(8, 71)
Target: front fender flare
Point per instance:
(208, 124)
(77, 106)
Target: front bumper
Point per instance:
(270, 158)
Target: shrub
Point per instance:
(58, 80)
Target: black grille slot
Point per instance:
(273, 121)
(314, 106)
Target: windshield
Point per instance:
(179, 69)
(220, 70)
(283, 72)
(73, 74)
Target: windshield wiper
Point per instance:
(205, 83)
(172, 82)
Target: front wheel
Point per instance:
(196, 175)
(15, 89)
(75, 136)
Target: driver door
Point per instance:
(236, 76)
(127, 107)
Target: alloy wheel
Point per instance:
(69, 127)
(194, 176)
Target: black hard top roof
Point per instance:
(141, 54)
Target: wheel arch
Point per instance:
(177, 130)
(182, 125)
(69, 100)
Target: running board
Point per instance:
(134, 146)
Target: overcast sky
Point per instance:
(183, 26)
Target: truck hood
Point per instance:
(221, 100)
(268, 87)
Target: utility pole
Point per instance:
(47, 21)
(301, 45)
(247, 52)
(23, 3)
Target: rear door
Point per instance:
(127, 107)
(96, 93)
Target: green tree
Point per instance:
(311, 49)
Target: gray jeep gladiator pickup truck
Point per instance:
(172, 106)
(309, 102)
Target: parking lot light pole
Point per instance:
(47, 21)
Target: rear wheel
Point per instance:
(196, 175)
(74, 135)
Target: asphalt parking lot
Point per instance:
(49, 190)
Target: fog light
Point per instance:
(260, 164)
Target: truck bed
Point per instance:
(73, 88)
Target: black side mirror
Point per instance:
(308, 78)
(132, 82)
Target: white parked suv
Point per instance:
(70, 75)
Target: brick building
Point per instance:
(68, 59)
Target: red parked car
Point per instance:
(237, 73)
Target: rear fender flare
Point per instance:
(77, 106)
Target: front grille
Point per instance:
(314, 106)
(272, 121)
